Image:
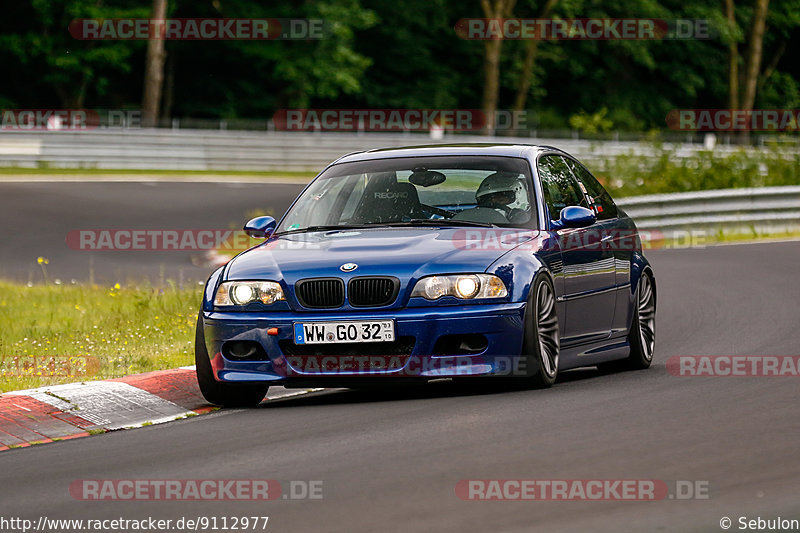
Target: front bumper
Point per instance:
(417, 356)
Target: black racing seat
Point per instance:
(388, 201)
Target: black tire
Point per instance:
(215, 392)
(642, 333)
(541, 343)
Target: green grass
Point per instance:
(715, 237)
(753, 236)
(83, 332)
(299, 174)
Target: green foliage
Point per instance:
(48, 63)
(594, 123)
(401, 54)
(667, 172)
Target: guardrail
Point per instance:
(149, 149)
(749, 211)
(773, 209)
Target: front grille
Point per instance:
(372, 292)
(321, 293)
(403, 346)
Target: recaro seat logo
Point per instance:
(391, 195)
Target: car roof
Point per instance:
(461, 149)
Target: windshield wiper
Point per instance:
(406, 223)
(441, 222)
(323, 228)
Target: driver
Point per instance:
(499, 191)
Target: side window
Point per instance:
(604, 206)
(559, 186)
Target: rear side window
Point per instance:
(602, 204)
(559, 186)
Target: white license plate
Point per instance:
(336, 332)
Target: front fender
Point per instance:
(211, 288)
(520, 266)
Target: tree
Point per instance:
(406, 54)
(52, 68)
(154, 69)
(493, 9)
(755, 53)
(748, 75)
(252, 79)
(531, 49)
(733, 57)
(418, 60)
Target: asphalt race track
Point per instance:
(390, 461)
(36, 217)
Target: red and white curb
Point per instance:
(59, 412)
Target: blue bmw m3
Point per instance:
(412, 264)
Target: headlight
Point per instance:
(244, 292)
(463, 286)
(467, 286)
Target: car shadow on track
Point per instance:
(431, 390)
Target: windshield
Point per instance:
(441, 191)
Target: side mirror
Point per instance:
(576, 217)
(260, 227)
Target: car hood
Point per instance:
(407, 253)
